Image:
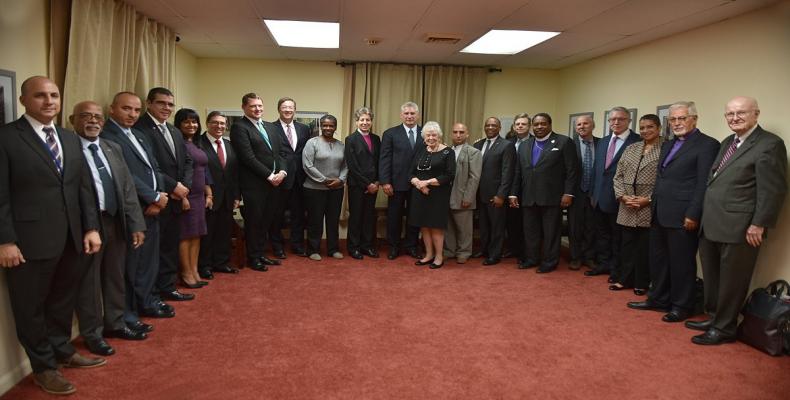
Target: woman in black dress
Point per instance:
(432, 174)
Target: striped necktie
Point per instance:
(54, 149)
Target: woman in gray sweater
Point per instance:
(324, 163)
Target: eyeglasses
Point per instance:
(217, 123)
(736, 114)
(680, 119)
(617, 119)
(89, 116)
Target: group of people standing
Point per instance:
(132, 206)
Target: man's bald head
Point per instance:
(460, 134)
(741, 114)
(41, 98)
(125, 109)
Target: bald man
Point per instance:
(745, 193)
(121, 217)
(581, 216)
(463, 196)
(48, 222)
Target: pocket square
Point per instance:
(555, 149)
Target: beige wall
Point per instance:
(24, 45)
(517, 90)
(186, 79)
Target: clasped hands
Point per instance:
(421, 185)
(333, 183)
(635, 202)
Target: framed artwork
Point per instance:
(663, 115)
(7, 96)
(310, 118)
(607, 131)
(572, 122)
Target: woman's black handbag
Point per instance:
(766, 319)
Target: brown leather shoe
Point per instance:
(77, 360)
(51, 381)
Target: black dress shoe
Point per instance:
(491, 261)
(703, 325)
(356, 255)
(299, 251)
(611, 279)
(420, 262)
(206, 274)
(712, 337)
(616, 287)
(269, 261)
(675, 316)
(646, 305)
(99, 347)
(158, 313)
(413, 253)
(478, 254)
(257, 265)
(164, 306)
(279, 254)
(191, 285)
(175, 295)
(393, 254)
(370, 253)
(595, 272)
(226, 269)
(544, 269)
(507, 254)
(126, 334)
(526, 264)
(140, 326)
(436, 266)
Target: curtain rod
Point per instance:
(351, 63)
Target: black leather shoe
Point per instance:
(595, 272)
(206, 274)
(393, 254)
(158, 313)
(611, 279)
(140, 326)
(646, 305)
(226, 269)
(712, 337)
(356, 255)
(544, 269)
(507, 254)
(370, 253)
(675, 316)
(269, 261)
(257, 265)
(478, 254)
(413, 253)
(703, 325)
(526, 264)
(175, 295)
(491, 261)
(436, 266)
(420, 262)
(164, 306)
(99, 347)
(126, 334)
(279, 254)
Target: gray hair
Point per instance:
(410, 104)
(621, 109)
(431, 126)
(362, 111)
(689, 105)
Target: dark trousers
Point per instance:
(634, 257)
(169, 237)
(361, 219)
(397, 208)
(727, 272)
(323, 206)
(142, 266)
(542, 224)
(257, 216)
(215, 245)
(101, 295)
(43, 294)
(673, 267)
(581, 221)
(608, 242)
(291, 200)
(515, 232)
(492, 228)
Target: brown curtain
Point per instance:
(454, 94)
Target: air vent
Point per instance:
(441, 38)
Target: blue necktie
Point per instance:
(265, 137)
(110, 201)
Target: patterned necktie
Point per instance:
(289, 135)
(220, 152)
(108, 187)
(610, 152)
(587, 164)
(412, 138)
(168, 139)
(54, 149)
(730, 151)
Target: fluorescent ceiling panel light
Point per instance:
(321, 35)
(507, 42)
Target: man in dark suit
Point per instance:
(608, 153)
(581, 216)
(171, 154)
(398, 146)
(48, 221)
(142, 263)
(362, 151)
(293, 135)
(499, 163)
(262, 170)
(515, 223)
(546, 174)
(215, 246)
(102, 293)
(746, 189)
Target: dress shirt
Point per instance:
(623, 136)
(457, 150)
(95, 170)
(214, 145)
(293, 133)
(255, 123)
(38, 127)
(743, 137)
(139, 148)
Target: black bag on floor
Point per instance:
(766, 319)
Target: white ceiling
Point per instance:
(590, 28)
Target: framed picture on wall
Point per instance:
(7, 96)
(607, 131)
(663, 115)
(572, 122)
(310, 118)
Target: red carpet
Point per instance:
(347, 329)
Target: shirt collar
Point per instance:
(624, 136)
(406, 128)
(254, 121)
(545, 138)
(124, 130)
(38, 126)
(86, 142)
(743, 137)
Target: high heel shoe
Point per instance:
(435, 266)
(190, 285)
(420, 262)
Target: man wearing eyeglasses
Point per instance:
(683, 168)
(745, 193)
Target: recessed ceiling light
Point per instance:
(322, 35)
(507, 42)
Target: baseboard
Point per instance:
(12, 377)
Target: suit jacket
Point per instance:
(749, 189)
(39, 206)
(174, 169)
(577, 142)
(555, 173)
(129, 207)
(256, 159)
(680, 187)
(603, 177)
(468, 167)
(363, 165)
(143, 171)
(225, 184)
(293, 158)
(397, 155)
(499, 164)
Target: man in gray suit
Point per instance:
(468, 164)
(120, 212)
(746, 189)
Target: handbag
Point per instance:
(766, 319)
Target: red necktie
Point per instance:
(220, 152)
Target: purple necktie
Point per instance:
(537, 149)
(675, 148)
(729, 153)
(610, 151)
